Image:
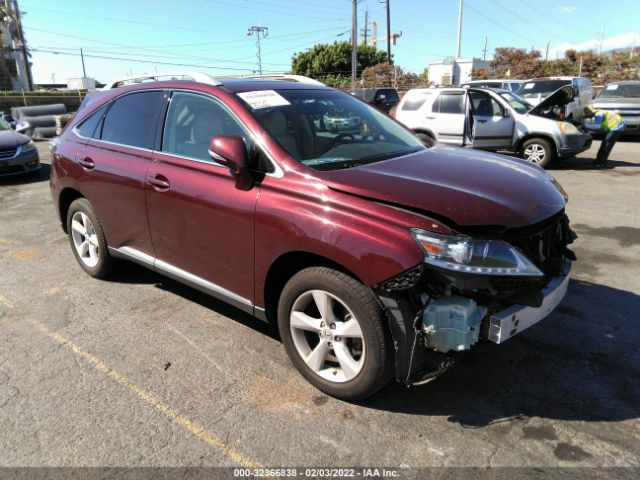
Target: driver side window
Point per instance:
(192, 121)
(484, 105)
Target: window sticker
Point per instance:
(612, 87)
(263, 99)
(529, 86)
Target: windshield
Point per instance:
(327, 129)
(516, 102)
(543, 88)
(620, 91)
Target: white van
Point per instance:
(536, 90)
(493, 119)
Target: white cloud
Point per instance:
(567, 9)
(624, 40)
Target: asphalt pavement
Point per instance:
(138, 370)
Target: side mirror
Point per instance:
(505, 113)
(13, 126)
(231, 152)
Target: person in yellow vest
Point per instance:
(609, 123)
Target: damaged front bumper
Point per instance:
(435, 313)
(506, 323)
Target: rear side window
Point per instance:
(131, 120)
(414, 102)
(449, 103)
(87, 128)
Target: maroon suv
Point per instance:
(304, 206)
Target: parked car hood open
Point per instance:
(467, 187)
(559, 98)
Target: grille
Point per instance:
(545, 245)
(8, 153)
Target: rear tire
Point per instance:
(87, 240)
(334, 333)
(538, 151)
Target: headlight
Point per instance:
(567, 128)
(466, 255)
(27, 147)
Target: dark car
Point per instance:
(18, 153)
(383, 98)
(375, 256)
(622, 98)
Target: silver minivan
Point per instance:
(494, 119)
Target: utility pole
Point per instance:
(365, 30)
(13, 20)
(459, 29)
(484, 50)
(580, 67)
(259, 32)
(601, 32)
(546, 56)
(84, 72)
(633, 47)
(354, 43)
(388, 34)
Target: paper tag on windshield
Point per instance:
(263, 99)
(612, 87)
(529, 86)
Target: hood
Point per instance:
(467, 187)
(559, 98)
(10, 139)
(613, 103)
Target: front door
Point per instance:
(202, 226)
(494, 124)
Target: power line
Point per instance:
(155, 62)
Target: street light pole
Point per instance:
(459, 41)
(259, 31)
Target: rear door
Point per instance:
(493, 123)
(447, 117)
(114, 164)
(201, 225)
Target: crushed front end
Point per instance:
(481, 285)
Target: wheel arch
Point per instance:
(285, 267)
(544, 136)
(65, 199)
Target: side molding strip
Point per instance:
(185, 277)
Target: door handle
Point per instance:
(87, 163)
(159, 181)
(482, 121)
(430, 118)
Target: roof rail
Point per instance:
(156, 76)
(284, 76)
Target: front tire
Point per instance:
(87, 239)
(334, 333)
(538, 151)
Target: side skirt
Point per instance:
(182, 276)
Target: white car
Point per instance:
(493, 119)
(536, 90)
(506, 84)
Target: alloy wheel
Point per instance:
(85, 239)
(327, 336)
(534, 153)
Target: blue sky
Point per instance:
(137, 36)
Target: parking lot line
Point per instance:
(189, 425)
